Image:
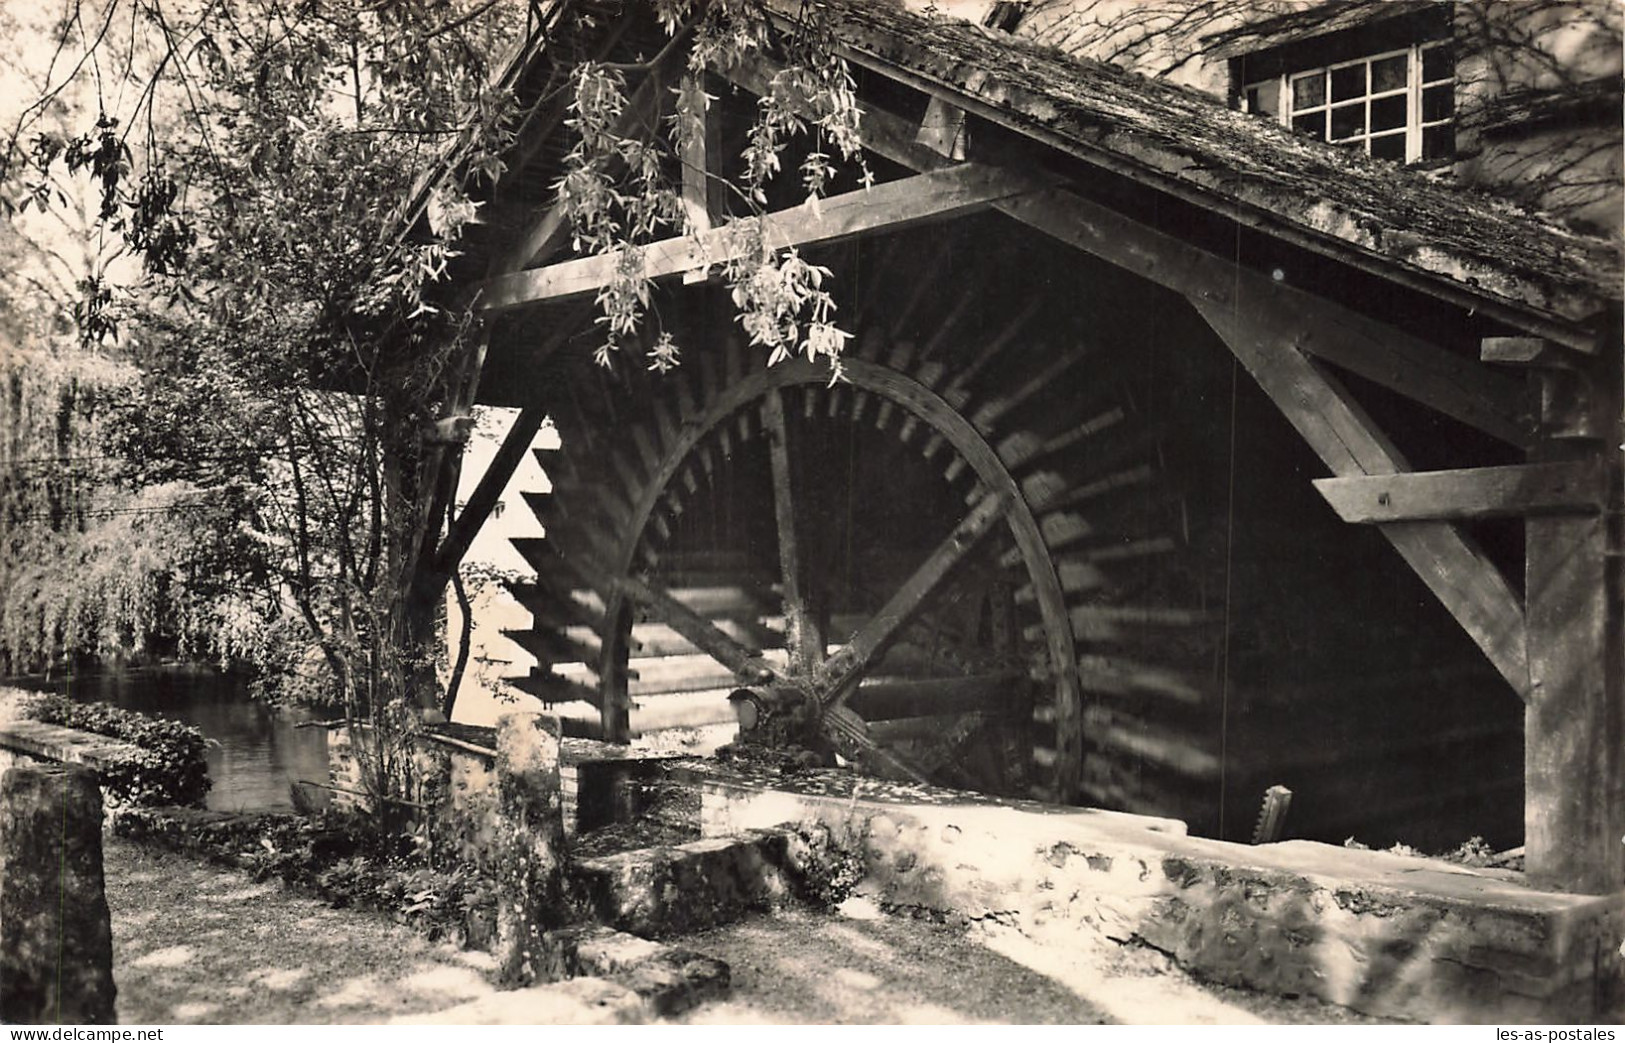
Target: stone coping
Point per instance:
(1022, 821)
(480, 741)
(848, 786)
(52, 742)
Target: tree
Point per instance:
(292, 182)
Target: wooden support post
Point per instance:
(1574, 726)
(703, 192)
(488, 491)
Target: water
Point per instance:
(255, 752)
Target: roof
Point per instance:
(1395, 220)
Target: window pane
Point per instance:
(1389, 146)
(1348, 82)
(1348, 120)
(1438, 142)
(1438, 102)
(1312, 123)
(1263, 98)
(1389, 74)
(1309, 91)
(1388, 113)
(1438, 63)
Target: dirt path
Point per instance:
(196, 944)
(865, 968)
(803, 968)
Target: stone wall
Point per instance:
(1384, 934)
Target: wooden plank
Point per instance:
(896, 204)
(1337, 429)
(1479, 492)
(747, 665)
(845, 667)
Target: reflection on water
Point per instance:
(255, 752)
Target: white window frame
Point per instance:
(1280, 88)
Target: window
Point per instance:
(1397, 105)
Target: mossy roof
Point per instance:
(1402, 222)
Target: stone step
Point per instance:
(663, 891)
(668, 980)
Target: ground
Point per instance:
(198, 944)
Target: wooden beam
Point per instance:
(1003, 694)
(1460, 388)
(700, 154)
(803, 634)
(849, 734)
(843, 669)
(1469, 585)
(1479, 492)
(1386, 355)
(896, 204)
(489, 490)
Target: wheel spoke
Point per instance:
(701, 632)
(843, 669)
(803, 635)
(849, 734)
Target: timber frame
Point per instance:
(1545, 383)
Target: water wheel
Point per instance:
(935, 567)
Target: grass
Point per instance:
(197, 944)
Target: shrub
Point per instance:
(170, 769)
(341, 856)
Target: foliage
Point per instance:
(340, 856)
(830, 872)
(291, 200)
(171, 768)
(618, 194)
(1474, 852)
(272, 172)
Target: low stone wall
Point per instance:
(33, 742)
(600, 783)
(1384, 934)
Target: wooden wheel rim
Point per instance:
(936, 413)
